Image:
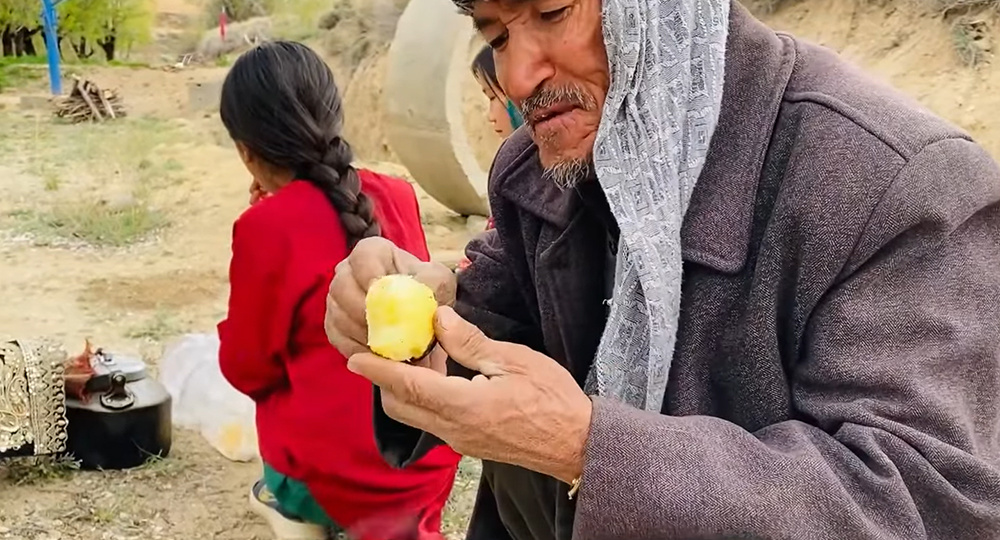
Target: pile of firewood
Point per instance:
(88, 102)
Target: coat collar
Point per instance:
(717, 226)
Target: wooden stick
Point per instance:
(104, 101)
(93, 107)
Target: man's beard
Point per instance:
(568, 174)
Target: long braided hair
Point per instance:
(280, 100)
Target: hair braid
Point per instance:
(281, 101)
(333, 174)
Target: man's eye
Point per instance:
(555, 14)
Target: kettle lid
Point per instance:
(105, 364)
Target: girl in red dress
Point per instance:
(322, 470)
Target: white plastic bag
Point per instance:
(204, 401)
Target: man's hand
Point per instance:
(371, 259)
(524, 409)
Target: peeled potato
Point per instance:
(400, 314)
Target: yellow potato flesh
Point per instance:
(400, 314)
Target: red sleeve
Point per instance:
(398, 211)
(419, 238)
(254, 337)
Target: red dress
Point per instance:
(314, 417)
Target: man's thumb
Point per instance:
(465, 343)
(439, 278)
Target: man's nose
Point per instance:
(522, 66)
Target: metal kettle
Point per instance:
(124, 419)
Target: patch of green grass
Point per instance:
(39, 60)
(51, 181)
(159, 467)
(970, 38)
(17, 72)
(155, 174)
(172, 165)
(38, 470)
(104, 514)
(95, 223)
(133, 64)
(160, 327)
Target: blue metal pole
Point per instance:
(52, 46)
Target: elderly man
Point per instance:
(735, 290)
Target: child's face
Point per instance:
(498, 109)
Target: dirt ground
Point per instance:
(120, 233)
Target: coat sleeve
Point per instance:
(254, 336)
(488, 281)
(894, 388)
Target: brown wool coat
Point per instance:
(837, 373)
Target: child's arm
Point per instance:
(254, 336)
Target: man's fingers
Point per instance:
(371, 259)
(339, 323)
(438, 360)
(465, 343)
(418, 386)
(412, 415)
(343, 333)
(347, 346)
(440, 279)
(347, 293)
(404, 261)
(345, 313)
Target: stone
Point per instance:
(475, 224)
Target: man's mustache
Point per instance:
(547, 97)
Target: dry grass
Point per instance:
(100, 182)
(946, 7)
(463, 497)
(355, 30)
(766, 7)
(158, 328)
(95, 223)
(971, 39)
(115, 507)
(239, 37)
(969, 20)
(952, 6)
(31, 471)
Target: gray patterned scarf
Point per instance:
(667, 65)
(667, 62)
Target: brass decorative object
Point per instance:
(32, 398)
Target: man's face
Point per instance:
(551, 61)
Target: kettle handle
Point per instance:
(118, 398)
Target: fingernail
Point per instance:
(351, 364)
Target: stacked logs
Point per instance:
(87, 102)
